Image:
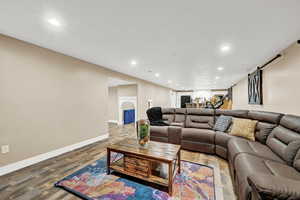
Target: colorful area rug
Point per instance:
(196, 182)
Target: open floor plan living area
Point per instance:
(149, 100)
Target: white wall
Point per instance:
(113, 104)
(280, 85)
(116, 93)
(49, 100)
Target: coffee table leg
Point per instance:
(179, 162)
(170, 179)
(108, 161)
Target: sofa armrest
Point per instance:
(265, 187)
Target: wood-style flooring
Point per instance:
(36, 182)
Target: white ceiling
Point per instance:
(114, 82)
(178, 39)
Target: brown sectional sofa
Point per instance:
(268, 168)
(197, 133)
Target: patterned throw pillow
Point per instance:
(222, 123)
(243, 128)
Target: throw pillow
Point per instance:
(222, 123)
(243, 128)
(291, 151)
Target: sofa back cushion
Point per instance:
(262, 131)
(291, 151)
(168, 114)
(296, 163)
(233, 113)
(280, 138)
(180, 115)
(267, 121)
(200, 118)
(262, 116)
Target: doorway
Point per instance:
(184, 100)
(122, 103)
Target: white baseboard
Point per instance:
(33, 160)
(113, 121)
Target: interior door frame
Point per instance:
(121, 100)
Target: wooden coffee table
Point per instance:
(141, 162)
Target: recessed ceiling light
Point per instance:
(169, 81)
(217, 77)
(133, 62)
(157, 74)
(225, 48)
(220, 68)
(54, 22)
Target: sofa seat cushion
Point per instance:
(198, 135)
(222, 139)
(247, 164)
(239, 145)
(159, 131)
(279, 169)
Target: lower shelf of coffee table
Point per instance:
(119, 167)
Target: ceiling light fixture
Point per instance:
(133, 63)
(157, 74)
(217, 77)
(225, 48)
(54, 22)
(220, 68)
